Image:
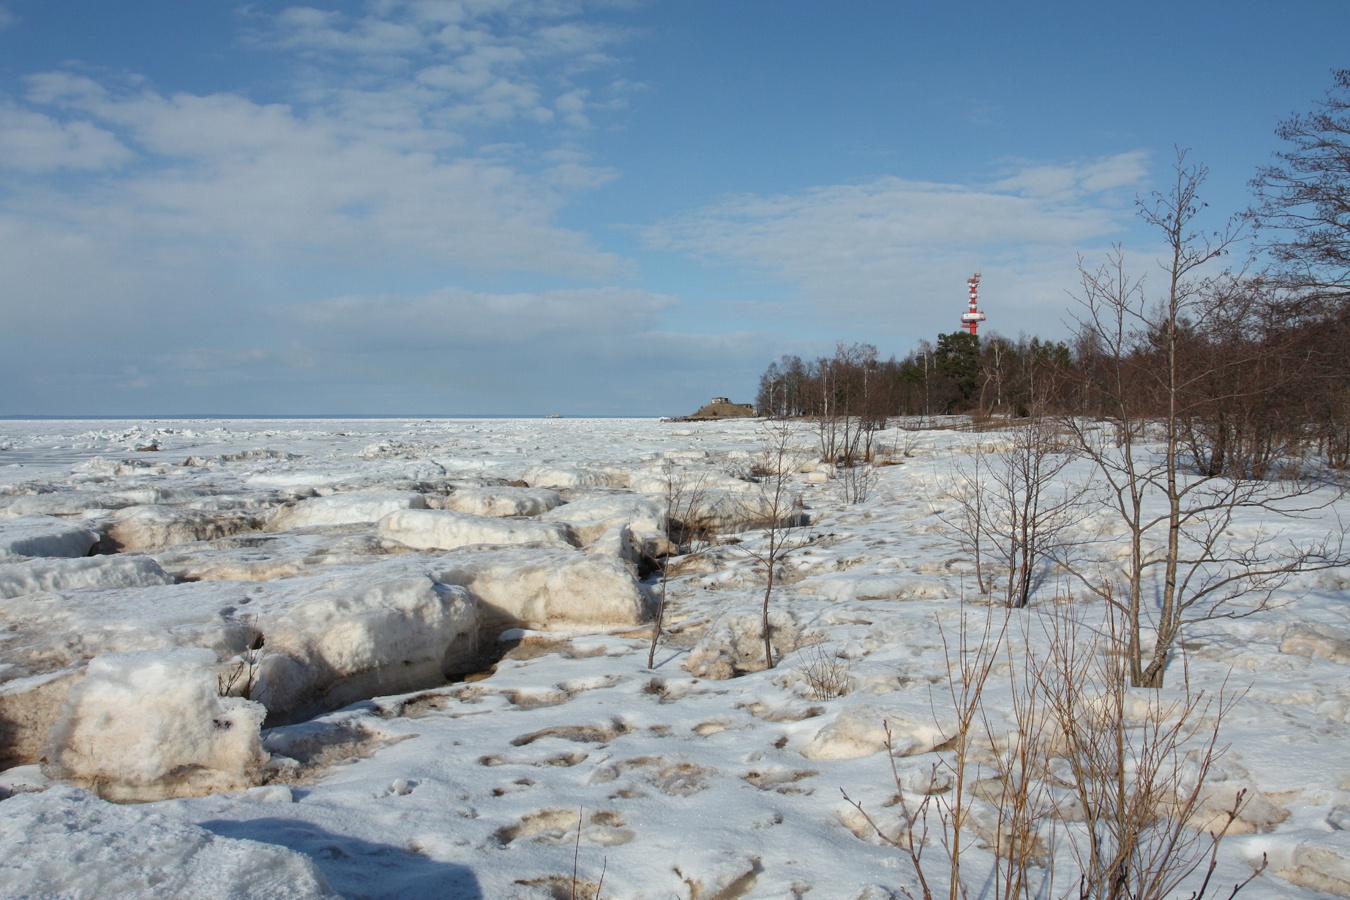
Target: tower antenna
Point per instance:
(971, 318)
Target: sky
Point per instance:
(585, 207)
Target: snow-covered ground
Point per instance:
(349, 573)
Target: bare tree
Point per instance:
(780, 511)
(969, 512)
(1184, 563)
(1010, 510)
(1303, 199)
(1033, 507)
(689, 532)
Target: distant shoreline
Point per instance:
(231, 417)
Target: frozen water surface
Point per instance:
(502, 734)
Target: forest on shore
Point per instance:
(1251, 363)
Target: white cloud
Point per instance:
(465, 63)
(458, 318)
(7, 18)
(170, 243)
(34, 142)
(269, 178)
(888, 246)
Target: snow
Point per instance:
(446, 530)
(502, 501)
(88, 573)
(456, 694)
(344, 509)
(44, 536)
(151, 724)
(68, 843)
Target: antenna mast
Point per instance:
(971, 318)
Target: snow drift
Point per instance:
(151, 724)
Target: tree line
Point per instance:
(1255, 363)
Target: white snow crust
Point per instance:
(44, 536)
(456, 691)
(344, 509)
(68, 843)
(148, 724)
(434, 529)
(91, 573)
(501, 501)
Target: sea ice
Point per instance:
(88, 573)
(434, 529)
(343, 509)
(45, 536)
(502, 501)
(65, 842)
(152, 724)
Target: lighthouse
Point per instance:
(971, 318)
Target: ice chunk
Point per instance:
(548, 589)
(732, 511)
(45, 536)
(67, 843)
(502, 501)
(151, 724)
(1317, 640)
(60, 503)
(591, 517)
(89, 573)
(344, 509)
(1320, 862)
(149, 527)
(52, 635)
(434, 529)
(353, 637)
(562, 476)
(861, 731)
(733, 643)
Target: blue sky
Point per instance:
(591, 208)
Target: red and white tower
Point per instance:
(971, 318)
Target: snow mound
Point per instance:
(733, 643)
(434, 529)
(1317, 640)
(89, 573)
(60, 503)
(861, 731)
(151, 724)
(150, 527)
(353, 637)
(840, 587)
(344, 509)
(67, 843)
(566, 477)
(1319, 862)
(549, 589)
(730, 511)
(45, 536)
(502, 502)
(591, 517)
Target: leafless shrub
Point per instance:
(1097, 778)
(242, 679)
(856, 482)
(781, 509)
(690, 534)
(826, 674)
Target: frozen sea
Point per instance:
(344, 556)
